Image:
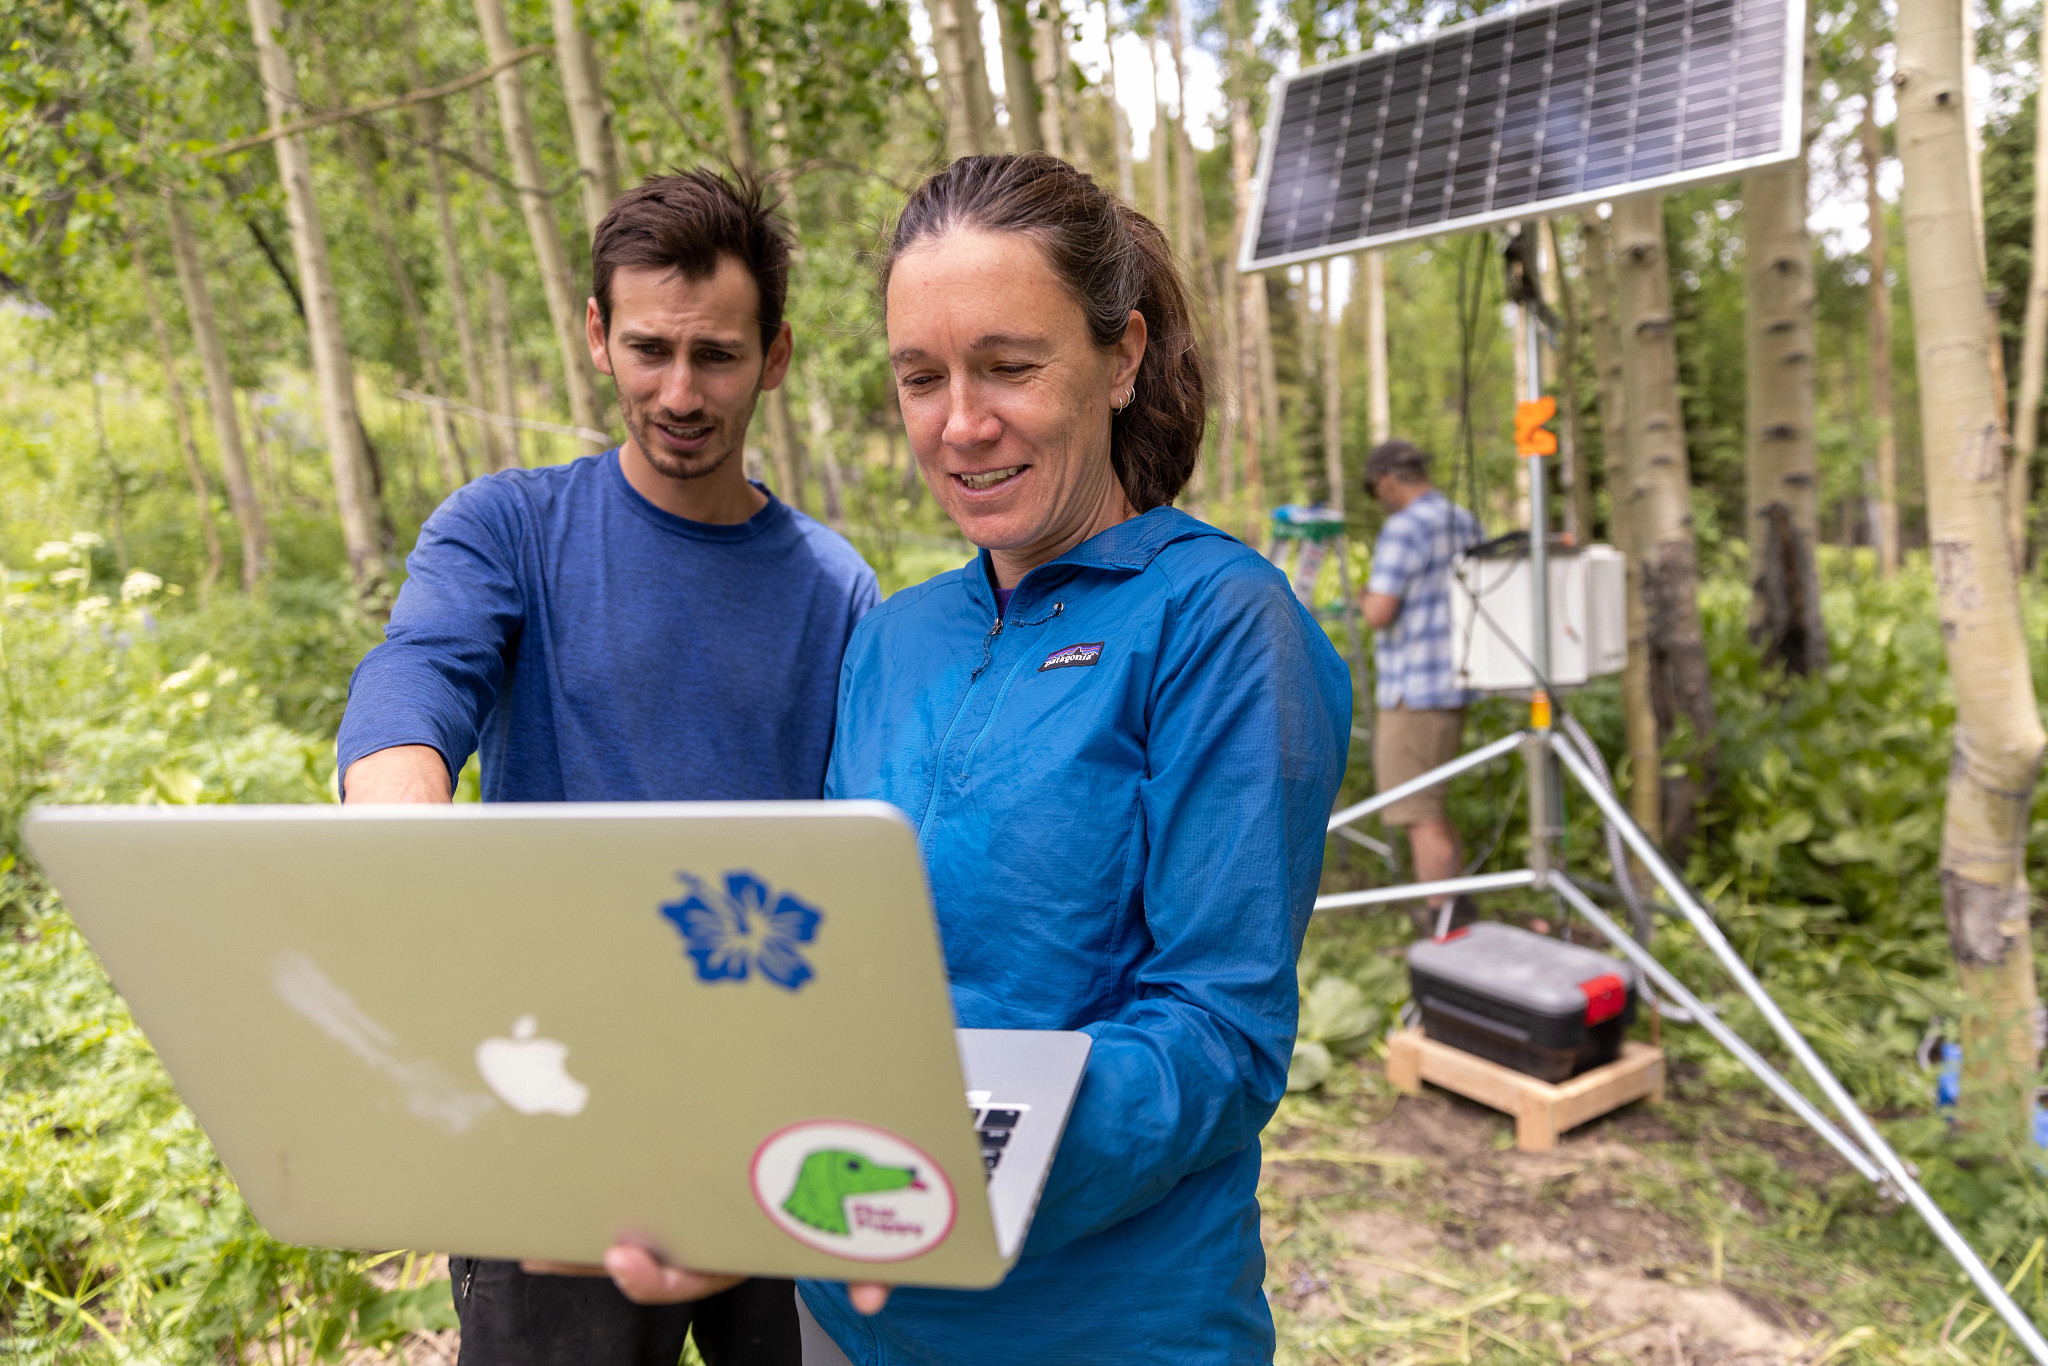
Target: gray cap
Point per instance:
(1405, 458)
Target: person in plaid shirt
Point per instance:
(1421, 707)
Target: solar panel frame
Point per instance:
(1657, 153)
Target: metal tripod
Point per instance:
(1545, 749)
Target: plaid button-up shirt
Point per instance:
(1412, 561)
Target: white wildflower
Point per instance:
(87, 540)
(139, 584)
(53, 550)
(71, 575)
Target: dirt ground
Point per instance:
(1409, 1229)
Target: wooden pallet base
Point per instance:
(1542, 1109)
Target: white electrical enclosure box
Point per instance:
(1491, 610)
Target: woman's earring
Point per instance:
(1130, 396)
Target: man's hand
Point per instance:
(403, 773)
(644, 1278)
(1380, 611)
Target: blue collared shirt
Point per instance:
(1411, 561)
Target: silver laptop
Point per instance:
(720, 1029)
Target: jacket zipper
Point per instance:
(939, 766)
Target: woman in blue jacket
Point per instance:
(1120, 737)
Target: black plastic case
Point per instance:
(1542, 1006)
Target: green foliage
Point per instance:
(1340, 1018)
(121, 1238)
(106, 696)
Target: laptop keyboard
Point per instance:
(995, 1121)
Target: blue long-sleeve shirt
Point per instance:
(593, 647)
(1120, 792)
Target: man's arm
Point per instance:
(1396, 557)
(417, 701)
(403, 773)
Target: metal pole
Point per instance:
(1539, 512)
(1417, 891)
(1569, 892)
(1362, 680)
(1845, 1105)
(1545, 793)
(1484, 754)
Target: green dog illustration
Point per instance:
(829, 1176)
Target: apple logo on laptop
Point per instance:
(529, 1073)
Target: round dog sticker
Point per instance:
(852, 1190)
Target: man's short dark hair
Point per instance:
(1403, 458)
(684, 222)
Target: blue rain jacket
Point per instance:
(1120, 790)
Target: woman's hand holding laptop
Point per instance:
(645, 1279)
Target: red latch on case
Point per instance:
(1606, 995)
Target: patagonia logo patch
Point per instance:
(1073, 656)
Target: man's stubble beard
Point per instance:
(638, 426)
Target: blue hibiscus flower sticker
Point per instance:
(746, 927)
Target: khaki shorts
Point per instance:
(1407, 744)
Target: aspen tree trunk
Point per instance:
(1782, 515)
(1625, 510)
(784, 440)
(220, 393)
(1269, 365)
(432, 121)
(1577, 461)
(950, 21)
(1973, 148)
(725, 68)
(1379, 409)
(590, 118)
(1679, 678)
(1020, 85)
(1120, 122)
(440, 422)
(1049, 72)
(1783, 512)
(1230, 408)
(1333, 394)
(564, 300)
(1191, 237)
(1251, 291)
(348, 454)
(981, 95)
(819, 410)
(1881, 405)
(188, 444)
(2026, 422)
(505, 453)
(1161, 156)
(213, 357)
(1998, 735)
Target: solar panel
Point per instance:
(1531, 111)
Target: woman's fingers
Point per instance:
(645, 1279)
(537, 1267)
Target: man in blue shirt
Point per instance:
(640, 625)
(1421, 707)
